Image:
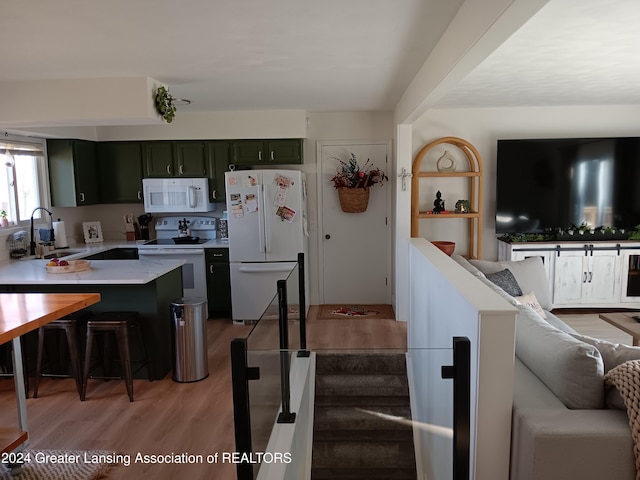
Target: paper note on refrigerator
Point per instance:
(250, 203)
(249, 181)
(286, 213)
(281, 197)
(236, 205)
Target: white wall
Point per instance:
(484, 126)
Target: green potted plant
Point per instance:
(164, 104)
(353, 181)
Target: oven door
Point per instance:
(194, 273)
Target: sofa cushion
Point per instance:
(529, 273)
(613, 354)
(506, 281)
(571, 369)
(531, 300)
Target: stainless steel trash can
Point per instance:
(189, 329)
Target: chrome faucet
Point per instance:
(33, 241)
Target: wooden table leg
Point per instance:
(18, 378)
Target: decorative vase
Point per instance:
(5, 222)
(353, 200)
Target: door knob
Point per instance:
(327, 236)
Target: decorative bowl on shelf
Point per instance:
(68, 266)
(446, 247)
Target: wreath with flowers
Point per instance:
(351, 175)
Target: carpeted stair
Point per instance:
(349, 444)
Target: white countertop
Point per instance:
(102, 272)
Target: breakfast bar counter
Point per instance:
(147, 287)
(102, 272)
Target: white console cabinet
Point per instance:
(585, 274)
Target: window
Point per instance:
(23, 178)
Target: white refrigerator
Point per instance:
(266, 212)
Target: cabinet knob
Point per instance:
(81, 197)
(273, 155)
(211, 269)
(181, 170)
(260, 155)
(139, 195)
(169, 169)
(327, 236)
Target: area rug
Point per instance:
(329, 312)
(63, 465)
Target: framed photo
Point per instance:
(92, 232)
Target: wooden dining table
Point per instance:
(21, 313)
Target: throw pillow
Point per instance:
(613, 354)
(573, 370)
(531, 300)
(529, 273)
(506, 281)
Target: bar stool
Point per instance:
(119, 323)
(70, 327)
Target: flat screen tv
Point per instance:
(548, 184)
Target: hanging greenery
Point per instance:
(164, 104)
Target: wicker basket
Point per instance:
(353, 200)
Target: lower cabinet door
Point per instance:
(218, 290)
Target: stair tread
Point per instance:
(394, 436)
(394, 417)
(361, 363)
(362, 385)
(360, 400)
(363, 474)
(368, 454)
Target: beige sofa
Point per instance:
(562, 428)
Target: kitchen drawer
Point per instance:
(217, 255)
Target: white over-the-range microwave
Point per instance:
(177, 195)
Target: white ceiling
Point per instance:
(231, 55)
(321, 55)
(572, 52)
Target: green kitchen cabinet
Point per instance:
(73, 172)
(284, 152)
(190, 158)
(248, 152)
(158, 159)
(120, 167)
(218, 282)
(218, 164)
(267, 152)
(175, 159)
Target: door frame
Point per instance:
(388, 170)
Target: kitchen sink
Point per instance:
(65, 253)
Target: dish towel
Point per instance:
(626, 378)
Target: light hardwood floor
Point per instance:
(169, 417)
(593, 326)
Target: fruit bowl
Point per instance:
(67, 266)
(446, 247)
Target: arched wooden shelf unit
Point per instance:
(473, 175)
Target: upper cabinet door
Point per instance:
(120, 167)
(248, 152)
(218, 164)
(158, 158)
(73, 172)
(191, 159)
(284, 152)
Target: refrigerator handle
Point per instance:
(261, 222)
(267, 227)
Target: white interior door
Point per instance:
(354, 247)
